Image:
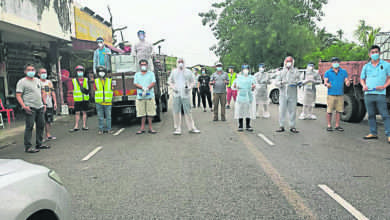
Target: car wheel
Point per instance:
(275, 96)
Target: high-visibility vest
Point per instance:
(79, 96)
(232, 77)
(104, 92)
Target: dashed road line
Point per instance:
(267, 140)
(119, 132)
(92, 153)
(358, 215)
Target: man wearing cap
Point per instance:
(231, 92)
(219, 80)
(101, 57)
(335, 78)
(143, 50)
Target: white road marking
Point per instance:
(119, 132)
(358, 215)
(268, 141)
(92, 153)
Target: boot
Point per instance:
(240, 125)
(248, 124)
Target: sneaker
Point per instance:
(177, 132)
(240, 129)
(204, 110)
(313, 117)
(281, 129)
(100, 132)
(294, 130)
(266, 115)
(195, 131)
(249, 128)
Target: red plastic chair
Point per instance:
(8, 111)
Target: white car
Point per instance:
(31, 192)
(273, 92)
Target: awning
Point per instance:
(91, 45)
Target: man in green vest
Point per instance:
(103, 99)
(80, 97)
(230, 91)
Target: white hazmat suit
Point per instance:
(262, 100)
(310, 79)
(143, 51)
(287, 81)
(181, 82)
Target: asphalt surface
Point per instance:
(220, 173)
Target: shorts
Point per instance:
(335, 103)
(81, 106)
(145, 107)
(49, 115)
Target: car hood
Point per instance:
(11, 166)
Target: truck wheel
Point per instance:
(275, 96)
(164, 103)
(362, 112)
(351, 108)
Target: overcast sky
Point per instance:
(178, 22)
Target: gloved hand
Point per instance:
(187, 90)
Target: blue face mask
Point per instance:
(336, 65)
(219, 68)
(43, 76)
(80, 74)
(141, 37)
(375, 56)
(31, 74)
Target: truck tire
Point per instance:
(275, 96)
(362, 111)
(351, 108)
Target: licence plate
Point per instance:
(129, 110)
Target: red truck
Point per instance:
(354, 108)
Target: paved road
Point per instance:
(220, 173)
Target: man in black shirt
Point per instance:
(204, 87)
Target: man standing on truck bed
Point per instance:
(146, 104)
(101, 56)
(375, 78)
(334, 80)
(143, 50)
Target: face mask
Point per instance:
(288, 64)
(80, 74)
(144, 68)
(141, 37)
(203, 72)
(310, 68)
(219, 69)
(31, 74)
(375, 56)
(43, 76)
(100, 45)
(181, 65)
(246, 72)
(336, 65)
(261, 69)
(102, 74)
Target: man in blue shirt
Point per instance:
(334, 81)
(375, 78)
(101, 56)
(145, 104)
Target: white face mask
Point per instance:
(181, 65)
(310, 68)
(288, 64)
(100, 45)
(261, 69)
(102, 74)
(144, 68)
(246, 72)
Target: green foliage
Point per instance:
(260, 31)
(366, 34)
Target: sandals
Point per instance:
(294, 130)
(140, 132)
(152, 132)
(51, 138)
(329, 129)
(31, 150)
(74, 130)
(339, 128)
(281, 129)
(85, 129)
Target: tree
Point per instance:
(366, 34)
(340, 34)
(253, 31)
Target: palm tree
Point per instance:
(371, 36)
(361, 32)
(340, 34)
